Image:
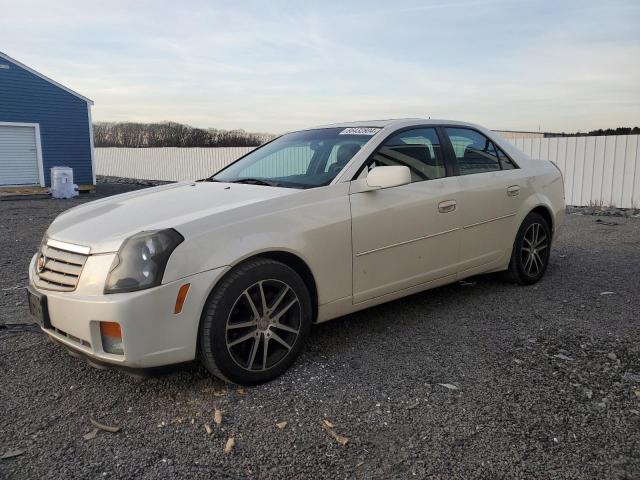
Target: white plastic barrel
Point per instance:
(62, 185)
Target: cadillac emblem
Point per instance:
(40, 263)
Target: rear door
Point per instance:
(408, 235)
(491, 191)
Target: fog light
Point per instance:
(111, 337)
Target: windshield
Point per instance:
(306, 159)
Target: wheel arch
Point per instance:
(290, 259)
(542, 205)
(301, 267)
(545, 213)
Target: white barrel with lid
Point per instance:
(62, 185)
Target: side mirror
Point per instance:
(386, 177)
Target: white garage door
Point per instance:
(19, 164)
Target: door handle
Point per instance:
(447, 206)
(513, 190)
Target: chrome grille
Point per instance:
(61, 269)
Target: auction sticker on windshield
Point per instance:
(360, 131)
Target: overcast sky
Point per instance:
(275, 65)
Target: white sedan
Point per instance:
(234, 269)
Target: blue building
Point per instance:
(42, 124)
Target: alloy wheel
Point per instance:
(534, 250)
(263, 325)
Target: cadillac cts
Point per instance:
(234, 269)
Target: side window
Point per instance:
(418, 149)
(475, 152)
(505, 162)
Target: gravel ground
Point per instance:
(544, 382)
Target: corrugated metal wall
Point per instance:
(601, 170)
(165, 163)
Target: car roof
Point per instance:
(395, 122)
(392, 124)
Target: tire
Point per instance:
(259, 303)
(526, 268)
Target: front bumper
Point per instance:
(152, 334)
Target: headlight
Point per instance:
(40, 251)
(141, 261)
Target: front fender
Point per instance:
(317, 229)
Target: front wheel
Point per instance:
(255, 323)
(531, 250)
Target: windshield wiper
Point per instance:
(256, 181)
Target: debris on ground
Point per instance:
(562, 356)
(20, 327)
(11, 453)
(230, 445)
(8, 289)
(281, 425)
(413, 405)
(327, 423)
(217, 417)
(607, 293)
(208, 428)
(631, 377)
(106, 428)
(328, 426)
(450, 386)
(91, 435)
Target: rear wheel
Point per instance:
(255, 323)
(531, 250)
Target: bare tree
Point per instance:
(600, 131)
(171, 134)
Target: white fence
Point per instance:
(602, 170)
(165, 163)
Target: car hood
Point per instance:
(102, 225)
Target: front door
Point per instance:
(408, 235)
